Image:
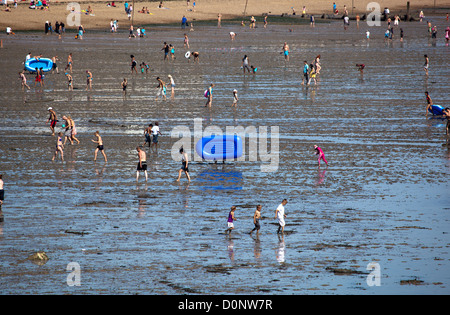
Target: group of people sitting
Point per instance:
(40, 4)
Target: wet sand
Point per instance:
(383, 198)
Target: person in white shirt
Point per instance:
(280, 216)
(155, 134)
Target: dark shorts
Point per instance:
(54, 66)
(184, 167)
(100, 147)
(143, 168)
(147, 138)
(257, 225)
(2, 195)
(53, 123)
(155, 138)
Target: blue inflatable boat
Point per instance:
(44, 63)
(220, 148)
(436, 110)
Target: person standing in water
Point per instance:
(286, 52)
(88, 80)
(426, 64)
(245, 64)
(69, 63)
(124, 86)
(2, 191)
(161, 89)
(142, 164)
(321, 154)
(59, 147)
(184, 165)
(23, 79)
(230, 220)
(52, 119)
(209, 95)
(172, 85)
(280, 216)
(256, 218)
(235, 98)
(155, 133)
(100, 148)
(429, 103)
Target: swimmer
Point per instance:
(321, 154)
(100, 148)
(59, 147)
(184, 165)
(142, 164)
(230, 220)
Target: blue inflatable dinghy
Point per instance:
(44, 63)
(220, 148)
(436, 110)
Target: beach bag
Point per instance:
(206, 93)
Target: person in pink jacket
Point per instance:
(321, 154)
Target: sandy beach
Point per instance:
(23, 18)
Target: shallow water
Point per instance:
(383, 198)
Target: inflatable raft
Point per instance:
(220, 148)
(436, 110)
(44, 63)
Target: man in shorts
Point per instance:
(52, 119)
(100, 148)
(142, 164)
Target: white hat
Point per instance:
(49, 108)
(234, 90)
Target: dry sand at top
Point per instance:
(23, 18)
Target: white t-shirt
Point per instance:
(280, 214)
(155, 130)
